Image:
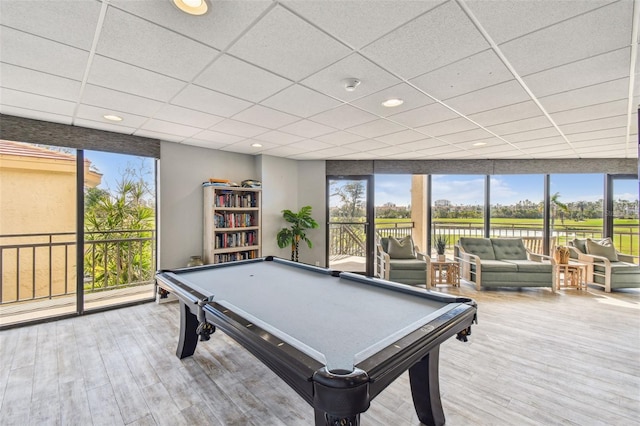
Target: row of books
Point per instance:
(234, 220)
(236, 200)
(231, 257)
(236, 239)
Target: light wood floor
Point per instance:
(535, 358)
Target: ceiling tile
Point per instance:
(447, 127)
(408, 155)
(605, 134)
(310, 145)
(158, 135)
(532, 135)
(339, 138)
(69, 22)
(500, 95)
(587, 72)
(136, 41)
(108, 73)
(287, 45)
(307, 129)
(366, 145)
(266, 117)
(522, 17)
(337, 17)
(278, 138)
(28, 51)
(245, 147)
(239, 128)
(425, 115)
(401, 137)
(466, 136)
(507, 114)
(36, 102)
(225, 21)
(216, 137)
(607, 109)
(412, 99)
(441, 36)
(421, 144)
(204, 143)
(533, 123)
(605, 29)
(541, 142)
(594, 125)
(205, 100)
(466, 75)
(188, 117)
(332, 152)
(26, 80)
(358, 156)
(343, 117)
(441, 149)
(284, 151)
(103, 125)
(36, 115)
(233, 76)
(170, 128)
(330, 80)
(376, 128)
(300, 101)
(597, 94)
(118, 101)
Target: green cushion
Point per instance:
(413, 264)
(603, 248)
(509, 249)
(480, 247)
(618, 268)
(531, 266)
(497, 266)
(580, 244)
(401, 249)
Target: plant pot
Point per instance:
(442, 258)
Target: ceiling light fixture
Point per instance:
(479, 144)
(112, 117)
(256, 145)
(350, 84)
(393, 102)
(192, 7)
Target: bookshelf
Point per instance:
(232, 223)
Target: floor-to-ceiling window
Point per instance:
(517, 208)
(457, 208)
(119, 230)
(576, 206)
(55, 257)
(625, 216)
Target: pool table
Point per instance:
(338, 339)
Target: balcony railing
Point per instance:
(43, 265)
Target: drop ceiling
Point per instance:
(480, 79)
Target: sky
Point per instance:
(113, 165)
(505, 189)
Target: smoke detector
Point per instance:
(350, 84)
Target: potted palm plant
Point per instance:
(291, 236)
(441, 246)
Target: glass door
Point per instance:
(625, 215)
(119, 229)
(350, 227)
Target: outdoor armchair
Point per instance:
(401, 261)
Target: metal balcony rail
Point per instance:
(43, 265)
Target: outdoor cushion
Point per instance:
(498, 266)
(509, 249)
(618, 268)
(602, 249)
(401, 249)
(531, 266)
(413, 264)
(580, 244)
(480, 247)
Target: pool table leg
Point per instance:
(322, 419)
(425, 389)
(188, 336)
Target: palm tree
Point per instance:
(555, 205)
(300, 221)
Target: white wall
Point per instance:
(183, 168)
(312, 192)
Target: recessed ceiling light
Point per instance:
(479, 144)
(112, 117)
(393, 102)
(256, 145)
(192, 7)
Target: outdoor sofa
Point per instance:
(503, 262)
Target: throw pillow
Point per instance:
(580, 244)
(602, 248)
(401, 249)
